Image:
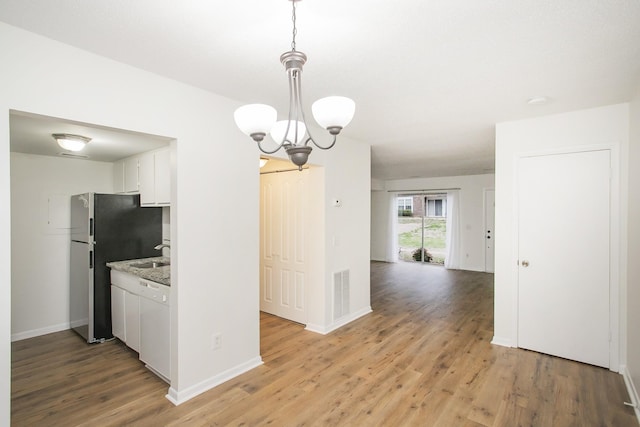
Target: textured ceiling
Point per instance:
(430, 78)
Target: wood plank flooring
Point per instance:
(422, 358)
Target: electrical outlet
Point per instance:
(216, 341)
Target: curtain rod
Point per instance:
(432, 190)
(283, 170)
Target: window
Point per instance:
(436, 207)
(405, 206)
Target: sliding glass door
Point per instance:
(422, 227)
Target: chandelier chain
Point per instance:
(295, 30)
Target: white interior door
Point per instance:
(489, 233)
(283, 263)
(563, 279)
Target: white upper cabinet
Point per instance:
(118, 176)
(146, 174)
(163, 176)
(125, 175)
(131, 179)
(155, 178)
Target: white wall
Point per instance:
(604, 126)
(379, 224)
(633, 272)
(214, 290)
(346, 239)
(40, 237)
(471, 214)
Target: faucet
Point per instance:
(164, 245)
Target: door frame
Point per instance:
(484, 225)
(616, 240)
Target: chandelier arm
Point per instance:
(270, 152)
(304, 119)
(299, 112)
(335, 138)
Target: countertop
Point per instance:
(159, 274)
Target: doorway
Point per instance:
(292, 232)
(283, 250)
(43, 177)
(489, 231)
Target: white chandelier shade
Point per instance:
(333, 111)
(279, 129)
(255, 119)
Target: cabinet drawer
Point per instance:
(125, 281)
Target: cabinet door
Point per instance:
(118, 177)
(132, 320)
(163, 176)
(147, 179)
(118, 312)
(131, 175)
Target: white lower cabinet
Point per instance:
(118, 313)
(125, 317)
(140, 317)
(132, 320)
(154, 336)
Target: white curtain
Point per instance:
(452, 258)
(392, 229)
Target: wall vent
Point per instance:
(341, 294)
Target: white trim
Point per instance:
(319, 329)
(40, 331)
(178, 397)
(501, 341)
(484, 231)
(631, 389)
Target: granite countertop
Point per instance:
(158, 274)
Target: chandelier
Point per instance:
(332, 113)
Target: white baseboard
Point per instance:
(40, 331)
(177, 397)
(631, 389)
(321, 329)
(504, 342)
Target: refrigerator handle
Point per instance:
(90, 226)
(90, 259)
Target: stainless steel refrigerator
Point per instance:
(105, 228)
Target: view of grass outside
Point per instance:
(410, 236)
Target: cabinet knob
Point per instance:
(525, 263)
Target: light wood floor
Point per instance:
(422, 358)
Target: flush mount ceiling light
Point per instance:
(537, 100)
(332, 113)
(71, 142)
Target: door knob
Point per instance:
(525, 263)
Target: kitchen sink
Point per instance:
(150, 264)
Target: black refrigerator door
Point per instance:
(122, 230)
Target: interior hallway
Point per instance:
(421, 358)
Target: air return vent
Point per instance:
(340, 294)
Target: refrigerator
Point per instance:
(105, 228)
